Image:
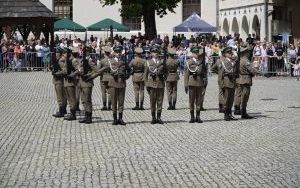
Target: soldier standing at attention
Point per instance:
(138, 66)
(70, 83)
(104, 78)
(117, 85)
(172, 79)
(246, 74)
(193, 82)
(218, 69)
(76, 63)
(154, 81)
(58, 81)
(86, 85)
(229, 82)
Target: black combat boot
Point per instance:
(245, 115)
(153, 118)
(84, 118)
(231, 116)
(226, 115)
(237, 110)
(192, 120)
(142, 106)
(201, 108)
(61, 112)
(88, 118)
(170, 106)
(136, 106)
(174, 105)
(71, 116)
(198, 119)
(159, 121)
(109, 106)
(104, 106)
(120, 121)
(221, 108)
(77, 107)
(115, 122)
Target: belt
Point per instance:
(138, 72)
(173, 72)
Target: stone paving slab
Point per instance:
(37, 150)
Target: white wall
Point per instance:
(47, 3)
(209, 11)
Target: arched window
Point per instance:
(190, 6)
(63, 8)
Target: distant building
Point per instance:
(264, 18)
(88, 12)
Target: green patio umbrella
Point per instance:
(66, 24)
(105, 24)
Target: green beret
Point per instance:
(88, 49)
(118, 49)
(155, 50)
(226, 50)
(195, 50)
(59, 50)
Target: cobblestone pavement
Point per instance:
(37, 150)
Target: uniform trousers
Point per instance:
(71, 96)
(156, 99)
(86, 98)
(117, 99)
(60, 95)
(105, 92)
(245, 93)
(172, 91)
(139, 91)
(195, 95)
(228, 97)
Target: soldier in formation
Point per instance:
(104, 78)
(137, 66)
(120, 72)
(155, 83)
(193, 82)
(172, 78)
(58, 81)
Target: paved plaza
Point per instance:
(38, 150)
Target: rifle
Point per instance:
(238, 61)
(84, 60)
(69, 65)
(55, 65)
(100, 53)
(165, 63)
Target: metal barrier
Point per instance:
(27, 61)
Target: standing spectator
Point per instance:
(279, 54)
(18, 57)
(264, 58)
(297, 69)
(292, 55)
(182, 57)
(257, 55)
(45, 54)
(38, 50)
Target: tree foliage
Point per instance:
(145, 9)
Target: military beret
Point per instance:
(107, 49)
(138, 50)
(118, 49)
(195, 50)
(226, 50)
(59, 50)
(88, 49)
(172, 51)
(155, 50)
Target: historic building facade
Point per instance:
(264, 18)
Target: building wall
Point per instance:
(87, 12)
(244, 17)
(48, 3)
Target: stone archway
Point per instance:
(244, 28)
(225, 30)
(256, 26)
(234, 26)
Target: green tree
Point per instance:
(146, 9)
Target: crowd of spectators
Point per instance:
(266, 56)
